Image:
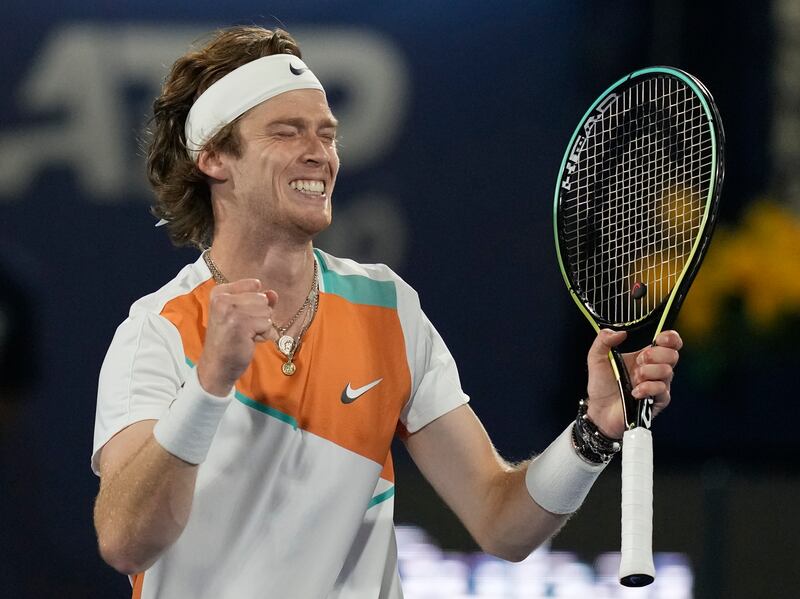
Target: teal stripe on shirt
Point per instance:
(358, 289)
(381, 497)
(264, 409)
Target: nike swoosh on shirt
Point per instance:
(349, 395)
(296, 70)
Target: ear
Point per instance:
(212, 164)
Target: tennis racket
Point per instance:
(636, 200)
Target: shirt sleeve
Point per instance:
(141, 375)
(436, 387)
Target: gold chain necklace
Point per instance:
(286, 344)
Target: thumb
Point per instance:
(272, 297)
(605, 340)
(240, 286)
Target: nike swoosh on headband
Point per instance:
(349, 395)
(240, 90)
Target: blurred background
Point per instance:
(455, 116)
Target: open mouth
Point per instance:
(313, 187)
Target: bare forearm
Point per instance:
(534, 500)
(489, 495)
(515, 525)
(143, 508)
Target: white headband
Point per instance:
(239, 91)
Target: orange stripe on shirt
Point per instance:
(347, 344)
(189, 314)
(138, 584)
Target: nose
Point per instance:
(316, 151)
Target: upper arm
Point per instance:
(455, 455)
(120, 449)
(140, 377)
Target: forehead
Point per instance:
(304, 104)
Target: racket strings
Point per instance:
(635, 207)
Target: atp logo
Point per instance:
(84, 72)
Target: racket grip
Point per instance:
(636, 567)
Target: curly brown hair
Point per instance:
(183, 197)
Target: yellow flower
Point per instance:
(758, 262)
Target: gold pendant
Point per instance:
(286, 345)
(288, 368)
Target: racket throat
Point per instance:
(636, 413)
(644, 416)
(624, 403)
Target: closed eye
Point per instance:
(328, 135)
(283, 130)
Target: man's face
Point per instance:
(285, 175)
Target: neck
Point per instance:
(285, 267)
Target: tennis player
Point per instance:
(246, 409)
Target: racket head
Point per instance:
(637, 197)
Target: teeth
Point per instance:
(308, 186)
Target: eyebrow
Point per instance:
(300, 123)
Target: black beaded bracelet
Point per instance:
(592, 445)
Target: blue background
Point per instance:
(493, 94)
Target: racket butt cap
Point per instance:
(636, 580)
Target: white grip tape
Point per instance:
(188, 427)
(558, 479)
(637, 504)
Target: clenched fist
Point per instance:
(240, 315)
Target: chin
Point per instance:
(315, 226)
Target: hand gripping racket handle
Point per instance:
(636, 568)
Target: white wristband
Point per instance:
(558, 479)
(189, 426)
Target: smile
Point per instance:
(308, 186)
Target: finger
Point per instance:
(253, 311)
(249, 299)
(654, 389)
(240, 286)
(232, 308)
(661, 402)
(606, 340)
(658, 355)
(669, 339)
(263, 329)
(653, 372)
